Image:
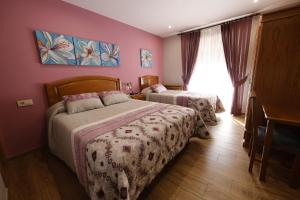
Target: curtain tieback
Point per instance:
(240, 82)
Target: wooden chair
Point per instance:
(284, 138)
(254, 143)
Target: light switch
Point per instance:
(24, 102)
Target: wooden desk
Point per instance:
(282, 114)
(276, 114)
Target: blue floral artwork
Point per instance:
(87, 52)
(110, 54)
(55, 48)
(146, 58)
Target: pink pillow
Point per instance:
(82, 102)
(158, 88)
(77, 97)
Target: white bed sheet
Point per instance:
(62, 126)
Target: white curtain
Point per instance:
(210, 73)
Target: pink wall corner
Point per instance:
(22, 76)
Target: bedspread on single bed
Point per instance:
(206, 104)
(117, 151)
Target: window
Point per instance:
(210, 73)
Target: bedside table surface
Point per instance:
(138, 96)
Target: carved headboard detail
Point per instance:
(148, 80)
(76, 85)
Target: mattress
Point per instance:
(117, 150)
(207, 104)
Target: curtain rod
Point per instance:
(217, 23)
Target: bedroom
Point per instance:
(213, 168)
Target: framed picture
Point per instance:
(109, 54)
(55, 48)
(146, 58)
(87, 52)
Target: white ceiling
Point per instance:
(155, 16)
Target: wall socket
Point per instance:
(24, 102)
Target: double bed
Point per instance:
(116, 150)
(206, 104)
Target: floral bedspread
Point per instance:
(116, 159)
(202, 105)
(207, 104)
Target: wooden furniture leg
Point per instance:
(266, 150)
(250, 146)
(252, 153)
(248, 131)
(295, 172)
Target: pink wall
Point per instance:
(22, 75)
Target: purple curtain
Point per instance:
(235, 37)
(189, 51)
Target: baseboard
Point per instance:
(25, 152)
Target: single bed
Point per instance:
(117, 150)
(206, 104)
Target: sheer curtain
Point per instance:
(210, 73)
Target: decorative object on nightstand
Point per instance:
(174, 87)
(138, 96)
(127, 88)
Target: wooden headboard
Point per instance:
(148, 80)
(76, 85)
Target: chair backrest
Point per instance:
(253, 114)
(257, 116)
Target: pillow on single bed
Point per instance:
(158, 88)
(82, 102)
(113, 97)
(146, 90)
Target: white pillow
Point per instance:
(146, 90)
(158, 88)
(113, 97)
(82, 102)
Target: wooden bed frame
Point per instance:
(147, 81)
(76, 85)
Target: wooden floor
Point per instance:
(206, 169)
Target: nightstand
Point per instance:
(174, 87)
(138, 96)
